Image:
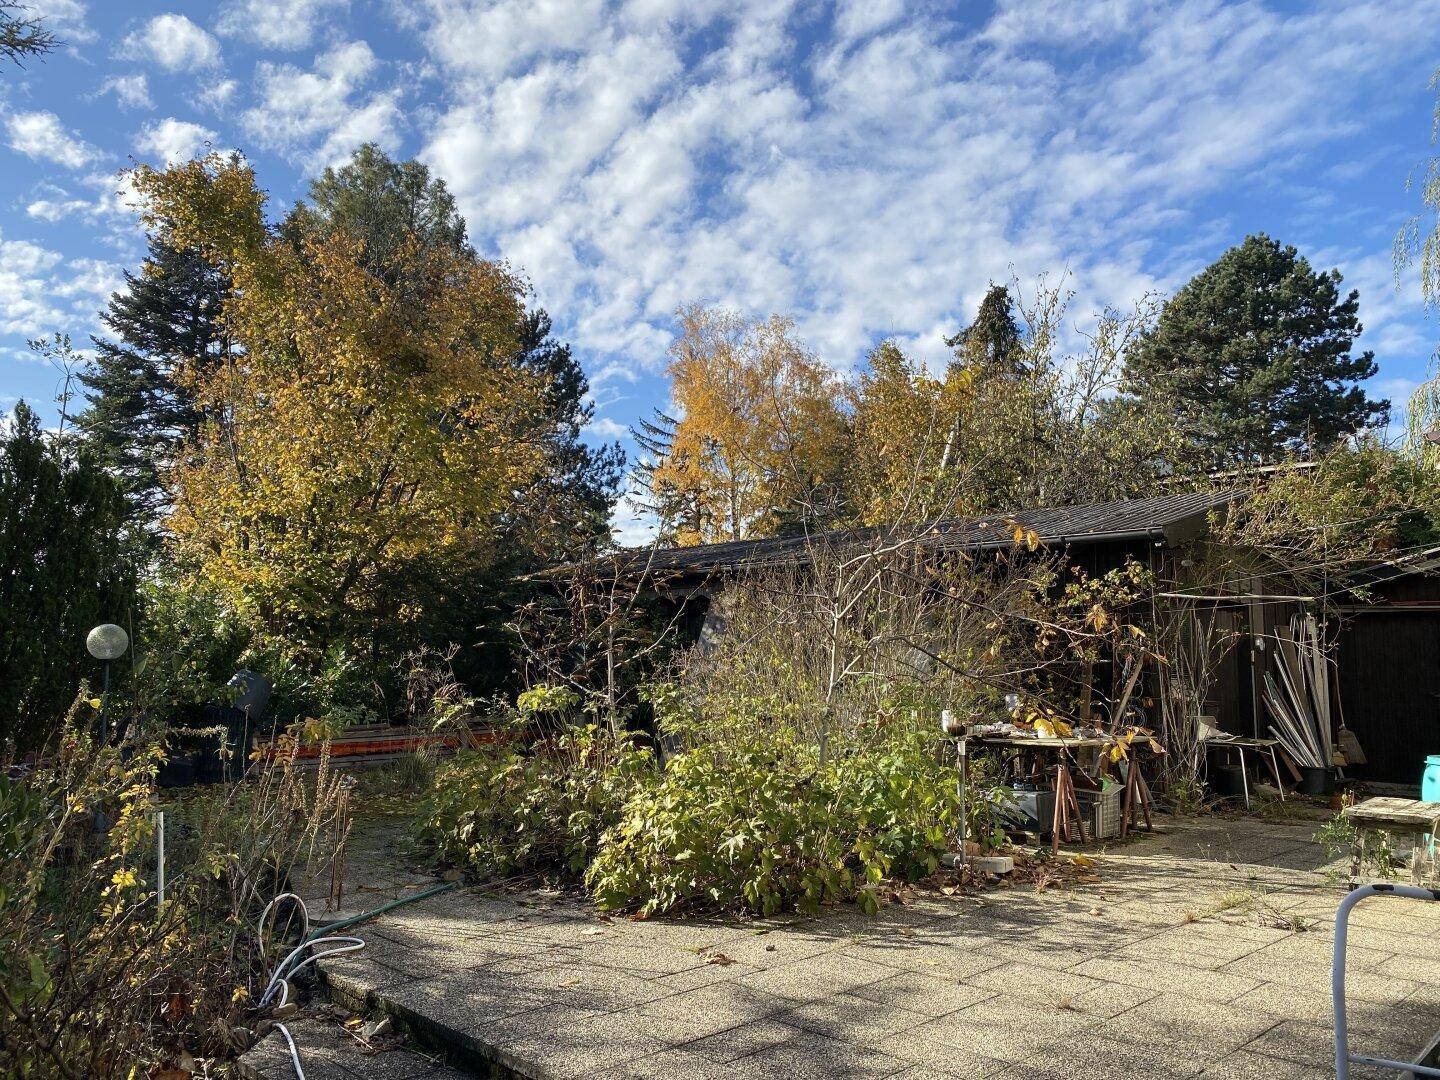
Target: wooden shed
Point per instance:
(1388, 653)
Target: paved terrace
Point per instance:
(1202, 951)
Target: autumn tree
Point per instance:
(1254, 357)
(759, 441)
(389, 206)
(906, 427)
(1417, 247)
(1016, 420)
(373, 416)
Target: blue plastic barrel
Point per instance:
(1430, 788)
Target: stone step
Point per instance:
(436, 1029)
(327, 1052)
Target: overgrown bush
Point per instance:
(509, 808)
(97, 977)
(770, 827)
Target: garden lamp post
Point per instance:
(106, 643)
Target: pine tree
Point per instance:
(167, 328)
(1254, 358)
(570, 503)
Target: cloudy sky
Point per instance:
(868, 167)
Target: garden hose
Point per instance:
(279, 978)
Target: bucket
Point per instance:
(1227, 781)
(1430, 779)
(1313, 781)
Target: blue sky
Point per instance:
(866, 167)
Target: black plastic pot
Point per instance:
(1314, 781)
(1227, 782)
(178, 771)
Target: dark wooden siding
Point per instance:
(1389, 666)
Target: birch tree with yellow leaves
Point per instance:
(907, 426)
(370, 421)
(760, 441)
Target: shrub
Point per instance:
(96, 977)
(770, 827)
(508, 809)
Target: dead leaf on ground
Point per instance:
(719, 958)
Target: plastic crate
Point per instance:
(1101, 810)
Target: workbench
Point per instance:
(1386, 815)
(1067, 805)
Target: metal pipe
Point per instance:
(1343, 1057)
(160, 858)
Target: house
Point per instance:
(1386, 633)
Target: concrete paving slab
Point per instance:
(1185, 957)
(913, 991)
(1007, 1029)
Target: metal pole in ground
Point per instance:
(160, 858)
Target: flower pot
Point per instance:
(1227, 781)
(1313, 781)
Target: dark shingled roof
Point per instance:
(1172, 518)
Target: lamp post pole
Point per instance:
(106, 643)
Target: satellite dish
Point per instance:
(252, 692)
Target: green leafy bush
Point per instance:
(767, 828)
(507, 809)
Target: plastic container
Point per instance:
(1034, 810)
(1430, 779)
(1101, 810)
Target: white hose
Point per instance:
(279, 978)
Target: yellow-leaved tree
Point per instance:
(371, 422)
(907, 426)
(760, 441)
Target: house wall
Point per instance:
(1388, 657)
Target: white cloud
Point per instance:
(173, 42)
(56, 207)
(217, 96)
(319, 116)
(41, 135)
(42, 292)
(65, 18)
(277, 24)
(605, 428)
(871, 174)
(131, 91)
(171, 140)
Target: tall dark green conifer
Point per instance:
(63, 570)
(573, 497)
(1254, 358)
(167, 319)
(993, 343)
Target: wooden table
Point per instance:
(1067, 806)
(1409, 816)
